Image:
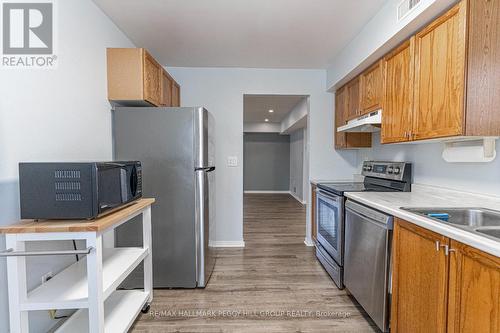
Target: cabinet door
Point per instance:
(483, 70)
(440, 76)
(314, 230)
(166, 89)
(419, 280)
(340, 109)
(152, 80)
(398, 68)
(176, 94)
(474, 293)
(352, 99)
(371, 83)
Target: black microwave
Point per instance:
(84, 190)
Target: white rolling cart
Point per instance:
(90, 283)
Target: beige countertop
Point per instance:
(429, 196)
(99, 224)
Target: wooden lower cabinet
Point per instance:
(474, 291)
(314, 230)
(440, 285)
(419, 280)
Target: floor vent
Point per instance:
(406, 7)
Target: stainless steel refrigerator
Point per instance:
(176, 148)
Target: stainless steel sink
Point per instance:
(490, 232)
(469, 217)
(476, 220)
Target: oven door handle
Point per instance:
(333, 197)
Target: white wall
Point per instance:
(429, 168)
(221, 91)
(296, 117)
(262, 127)
(61, 114)
(297, 163)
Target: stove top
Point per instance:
(379, 177)
(340, 188)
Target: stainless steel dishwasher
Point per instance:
(367, 260)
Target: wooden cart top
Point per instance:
(99, 224)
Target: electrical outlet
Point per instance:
(46, 277)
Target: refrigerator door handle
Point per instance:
(207, 169)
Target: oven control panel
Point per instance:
(400, 171)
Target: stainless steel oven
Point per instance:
(330, 224)
(331, 212)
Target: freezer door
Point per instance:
(205, 224)
(204, 138)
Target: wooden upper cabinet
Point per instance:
(340, 109)
(135, 78)
(152, 80)
(474, 291)
(176, 94)
(166, 89)
(352, 110)
(440, 54)
(371, 89)
(483, 69)
(397, 68)
(347, 140)
(419, 280)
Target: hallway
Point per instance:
(274, 284)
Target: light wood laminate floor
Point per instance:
(274, 284)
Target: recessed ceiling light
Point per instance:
(271, 111)
(266, 120)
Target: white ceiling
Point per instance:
(242, 33)
(256, 107)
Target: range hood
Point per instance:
(367, 123)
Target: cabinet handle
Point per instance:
(447, 250)
(438, 246)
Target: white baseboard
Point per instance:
(308, 242)
(297, 198)
(266, 192)
(227, 243)
(277, 192)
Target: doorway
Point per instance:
(275, 146)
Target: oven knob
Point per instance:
(390, 170)
(397, 170)
(368, 168)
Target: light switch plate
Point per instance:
(232, 161)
